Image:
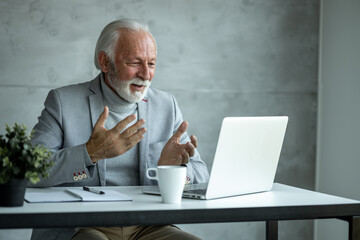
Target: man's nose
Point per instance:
(144, 72)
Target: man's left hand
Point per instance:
(175, 153)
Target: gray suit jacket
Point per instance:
(66, 124)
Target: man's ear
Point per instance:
(103, 60)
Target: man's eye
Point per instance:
(134, 63)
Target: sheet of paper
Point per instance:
(75, 195)
(109, 196)
(39, 197)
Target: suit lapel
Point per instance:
(96, 108)
(95, 100)
(143, 107)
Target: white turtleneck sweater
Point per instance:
(122, 170)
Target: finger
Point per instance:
(190, 149)
(133, 129)
(135, 138)
(194, 141)
(123, 123)
(102, 118)
(181, 130)
(185, 157)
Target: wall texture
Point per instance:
(339, 113)
(219, 58)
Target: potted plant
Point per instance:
(20, 162)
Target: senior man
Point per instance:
(108, 131)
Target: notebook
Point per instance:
(74, 195)
(246, 158)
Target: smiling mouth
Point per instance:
(137, 87)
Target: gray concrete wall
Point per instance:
(338, 155)
(219, 58)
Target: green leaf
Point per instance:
(6, 161)
(33, 177)
(16, 170)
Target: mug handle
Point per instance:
(150, 177)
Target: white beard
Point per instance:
(122, 87)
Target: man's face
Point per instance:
(134, 65)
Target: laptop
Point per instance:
(246, 158)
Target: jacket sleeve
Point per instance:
(71, 164)
(197, 171)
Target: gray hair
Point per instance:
(110, 35)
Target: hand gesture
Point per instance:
(175, 153)
(105, 143)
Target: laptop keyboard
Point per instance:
(201, 191)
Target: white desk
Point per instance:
(282, 203)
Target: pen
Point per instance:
(92, 190)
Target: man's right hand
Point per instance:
(105, 143)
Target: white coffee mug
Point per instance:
(171, 180)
